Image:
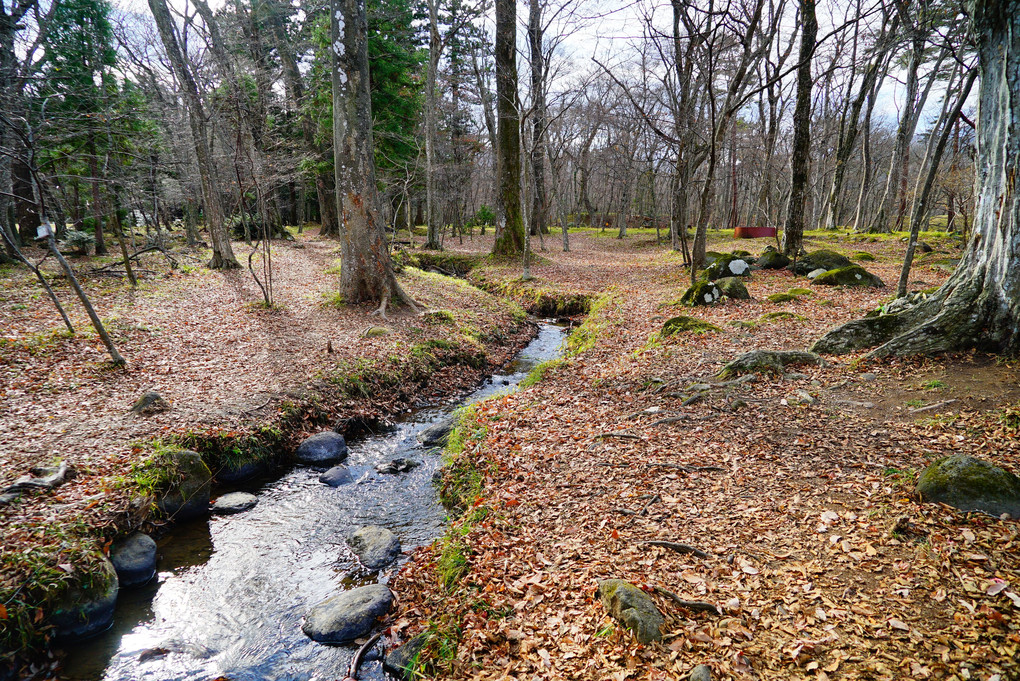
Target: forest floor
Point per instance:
(233, 373)
(821, 559)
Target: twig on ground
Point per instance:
(686, 469)
(679, 548)
(931, 406)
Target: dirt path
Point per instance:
(793, 503)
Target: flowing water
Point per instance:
(231, 591)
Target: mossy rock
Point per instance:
(820, 260)
(971, 484)
(782, 298)
(772, 259)
(633, 608)
(728, 266)
(733, 288)
(863, 256)
(780, 316)
(774, 361)
(740, 253)
(86, 610)
(189, 497)
(400, 662)
(376, 331)
(711, 257)
(702, 293)
(800, 291)
(683, 324)
(851, 275)
(743, 323)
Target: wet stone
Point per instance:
(336, 476)
(81, 613)
(348, 615)
(134, 559)
(376, 547)
(399, 662)
(235, 502)
(324, 447)
(397, 466)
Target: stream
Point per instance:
(231, 591)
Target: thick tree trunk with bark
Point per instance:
(539, 209)
(980, 304)
(223, 254)
(793, 231)
(510, 230)
(431, 113)
(366, 273)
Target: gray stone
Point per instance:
(868, 377)
(376, 547)
(150, 403)
(348, 615)
(399, 662)
(397, 466)
(237, 473)
(814, 274)
(971, 484)
(701, 673)
(324, 447)
(81, 613)
(633, 608)
(336, 476)
(189, 498)
(701, 293)
(438, 433)
(772, 259)
(134, 559)
(234, 502)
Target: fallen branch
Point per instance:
(694, 606)
(644, 509)
(625, 436)
(687, 469)
(670, 419)
(47, 482)
(352, 672)
(931, 406)
(679, 548)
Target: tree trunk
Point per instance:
(979, 306)
(793, 230)
(510, 230)
(431, 105)
(539, 117)
(366, 273)
(223, 254)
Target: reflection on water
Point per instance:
(231, 590)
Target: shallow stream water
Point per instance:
(231, 591)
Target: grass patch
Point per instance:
(780, 316)
(584, 337)
(450, 264)
(933, 384)
(538, 373)
(536, 299)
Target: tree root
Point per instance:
(694, 606)
(679, 548)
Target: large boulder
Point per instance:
(774, 361)
(86, 609)
(134, 559)
(234, 502)
(399, 662)
(702, 293)
(820, 260)
(376, 547)
(772, 259)
(851, 275)
(633, 608)
(348, 615)
(733, 287)
(971, 484)
(728, 266)
(238, 472)
(324, 447)
(189, 497)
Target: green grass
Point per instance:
(780, 316)
(584, 337)
(933, 384)
(539, 372)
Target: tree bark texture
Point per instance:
(510, 231)
(366, 273)
(979, 306)
(793, 230)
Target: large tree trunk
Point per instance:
(793, 231)
(431, 113)
(366, 273)
(223, 254)
(539, 119)
(980, 304)
(510, 230)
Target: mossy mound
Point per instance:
(820, 260)
(450, 264)
(189, 496)
(86, 609)
(633, 608)
(971, 484)
(376, 331)
(863, 256)
(782, 298)
(702, 293)
(772, 259)
(774, 361)
(733, 288)
(711, 257)
(683, 324)
(780, 316)
(438, 317)
(851, 275)
(728, 266)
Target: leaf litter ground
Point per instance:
(822, 563)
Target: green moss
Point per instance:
(971, 484)
(683, 324)
(800, 291)
(862, 256)
(852, 275)
(780, 316)
(701, 293)
(782, 298)
(376, 331)
(539, 372)
(438, 317)
(584, 337)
